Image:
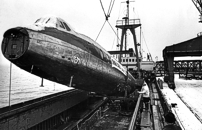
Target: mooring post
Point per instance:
(41, 83)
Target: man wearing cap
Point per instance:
(145, 93)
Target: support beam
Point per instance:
(190, 47)
(136, 50)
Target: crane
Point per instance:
(198, 4)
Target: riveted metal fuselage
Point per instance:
(67, 58)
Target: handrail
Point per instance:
(128, 22)
(134, 117)
(16, 108)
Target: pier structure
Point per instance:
(181, 67)
(190, 47)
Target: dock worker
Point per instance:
(145, 93)
(170, 122)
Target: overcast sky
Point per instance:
(164, 22)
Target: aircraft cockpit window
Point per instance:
(37, 20)
(41, 20)
(48, 20)
(67, 28)
(61, 25)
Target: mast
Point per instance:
(131, 24)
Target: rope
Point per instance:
(103, 9)
(113, 30)
(100, 31)
(106, 16)
(109, 7)
(147, 46)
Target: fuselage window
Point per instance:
(41, 20)
(67, 28)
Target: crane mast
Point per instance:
(198, 5)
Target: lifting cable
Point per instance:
(147, 46)
(100, 31)
(117, 40)
(106, 17)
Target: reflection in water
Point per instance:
(24, 86)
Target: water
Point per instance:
(24, 86)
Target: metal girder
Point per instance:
(198, 4)
(190, 47)
(180, 65)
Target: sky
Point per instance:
(164, 22)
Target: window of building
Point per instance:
(130, 69)
(129, 60)
(126, 60)
(133, 60)
(123, 60)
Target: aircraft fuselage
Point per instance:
(66, 58)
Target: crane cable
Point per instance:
(147, 46)
(100, 30)
(106, 17)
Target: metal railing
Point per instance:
(128, 22)
(164, 104)
(134, 117)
